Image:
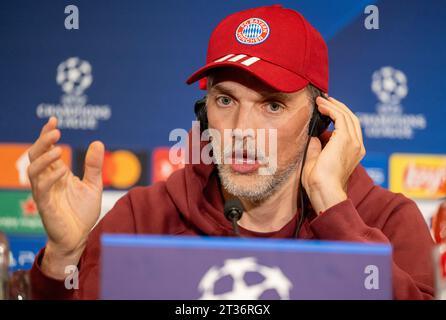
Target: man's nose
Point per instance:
(245, 118)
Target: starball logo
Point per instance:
(74, 77)
(390, 86)
(274, 282)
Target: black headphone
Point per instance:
(318, 124)
(201, 113)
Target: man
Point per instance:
(265, 68)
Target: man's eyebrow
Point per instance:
(280, 96)
(266, 95)
(221, 88)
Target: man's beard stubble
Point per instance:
(260, 187)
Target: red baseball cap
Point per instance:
(275, 44)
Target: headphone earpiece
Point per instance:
(318, 123)
(201, 114)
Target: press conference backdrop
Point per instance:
(120, 78)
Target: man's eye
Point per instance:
(224, 101)
(274, 107)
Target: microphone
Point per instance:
(233, 212)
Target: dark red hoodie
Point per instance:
(190, 203)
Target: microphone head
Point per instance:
(233, 209)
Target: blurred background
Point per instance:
(119, 76)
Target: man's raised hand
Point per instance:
(69, 207)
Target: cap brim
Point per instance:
(273, 75)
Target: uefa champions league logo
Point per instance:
(74, 76)
(236, 273)
(390, 86)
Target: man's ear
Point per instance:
(201, 113)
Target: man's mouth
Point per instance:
(247, 163)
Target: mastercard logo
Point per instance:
(122, 169)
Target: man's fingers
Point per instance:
(313, 152)
(352, 117)
(355, 121)
(49, 125)
(352, 125)
(339, 118)
(93, 164)
(44, 143)
(44, 185)
(43, 162)
(314, 149)
(341, 108)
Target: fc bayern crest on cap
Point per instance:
(252, 31)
